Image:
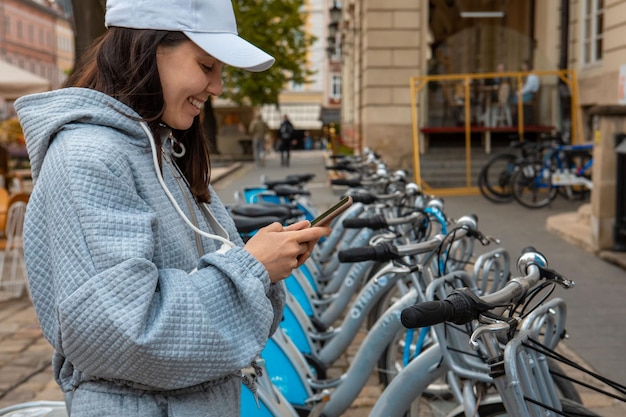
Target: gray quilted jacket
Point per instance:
(109, 262)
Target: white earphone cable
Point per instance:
(155, 160)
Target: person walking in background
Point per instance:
(308, 140)
(259, 130)
(139, 278)
(285, 132)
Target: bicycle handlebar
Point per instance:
(458, 308)
(379, 221)
(349, 182)
(363, 197)
(341, 168)
(387, 251)
(382, 252)
(374, 222)
(462, 306)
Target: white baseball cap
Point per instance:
(210, 24)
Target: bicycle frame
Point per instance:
(564, 175)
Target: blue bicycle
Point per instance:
(564, 169)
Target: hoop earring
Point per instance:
(177, 144)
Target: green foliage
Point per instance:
(277, 27)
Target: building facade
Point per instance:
(37, 36)
(386, 42)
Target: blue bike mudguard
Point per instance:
(267, 198)
(283, 374)
(294, 330)
(249, 193)
(308, 214)
(294, 288)
(304, 269)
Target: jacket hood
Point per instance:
(44, 115)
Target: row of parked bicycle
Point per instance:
(451, 331)
(533, 173)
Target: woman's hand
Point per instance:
(282, 249)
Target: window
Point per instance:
(593, 30)
(337, 55)
(335, 86)
(297, 86)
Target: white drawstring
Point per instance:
(155, 160)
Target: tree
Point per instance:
(88, 23)
(276, 26)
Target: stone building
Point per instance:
(36, 35)
(386, 42)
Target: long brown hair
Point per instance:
(122, 64)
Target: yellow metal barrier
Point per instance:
(419, 82)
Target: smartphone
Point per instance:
(326, 217)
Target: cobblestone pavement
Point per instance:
(25, 373)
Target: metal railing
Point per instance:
(417, 85)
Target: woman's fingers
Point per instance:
(303, 224)
(281, 249)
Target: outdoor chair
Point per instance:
(12, 265)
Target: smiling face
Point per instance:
(188, 77)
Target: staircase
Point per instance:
(444, 165)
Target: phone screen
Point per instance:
(326, 217)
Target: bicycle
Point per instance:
(335, 343)
(347, 387)
(516, 360)
(565, 168)
(494, 179)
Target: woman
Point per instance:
(138, 276)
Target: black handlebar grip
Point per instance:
(460, 307)
(382, 253)
(345, 168)
(349, 182)
(375, 222)
(357, 254)
(427, 314)
(301, 177)
(365, 198)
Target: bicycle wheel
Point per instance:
(530, 188)
(429, 405)
(495, 178)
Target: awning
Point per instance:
(16, 82)
(303, 116)
(329, 116)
